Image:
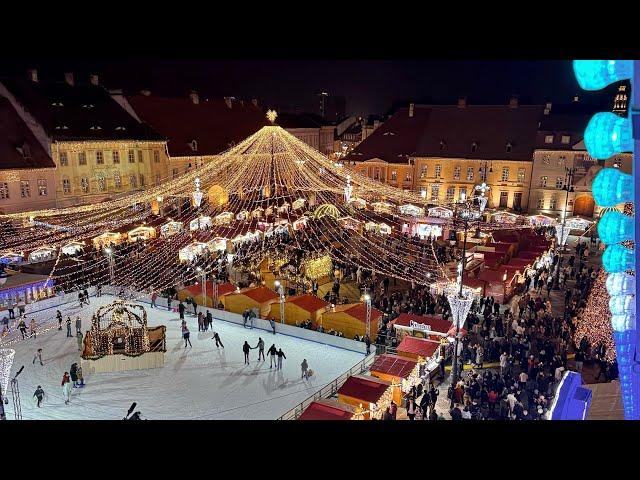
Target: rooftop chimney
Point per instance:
(146, 93)
(93, 79)
(33, 75)
(227, 100)
(547, 108)
(68, 77)
(195, 98)
(513, 101)
(411, 110)
(462, 102)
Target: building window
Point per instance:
(474, 146)
(140, 160)
(64, 159)
(463, 193)
(116, 156)
(84, 184)
(133, 181)
(4, 190)
(82, 158)
(559, 182)
(469, 173)
(435, 191)
(25, 189)
(505, 174)
(66, 186)
(517, 200)
(565, 139)
(376, 174)
(117, 180)
(175, 173)
(546, 159)
(548, 139)
(561, 160)
(543, 181)
(102, 184)
(451, 192)
(157, 179)
(423, 171)
(552, 203)
(42, 187)
(394, 175)
(508, 147)
(438, 170)
(132, 156)
(540, 204)
(141, 180)
(407, 176)
(99, 158)
(578, 158)
(456, 172)
(521, 175)
(156, 156)
(504, 197)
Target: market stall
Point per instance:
(141, 233)
(299, 308)
(224, 218)
(200, 223)
(393, 369)
(259, 298)
(383, 207)
(218, 244)
(107, 239)
(429, 326)
(171, 228)
(541, 221)
(370, 393)
(411, 210)
(418, 349)
(327, 409)
(350, 223)
(11, 257)
(358, 203)
(350, 319)
(43, 254)
(191, 251)
(440, 212)
(72, 248)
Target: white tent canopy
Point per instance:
(200, 223)
(42, 254)
(191, 251)
(440, 212)
(412, 210)
(224, 218)
(171, 228)
(72, 248)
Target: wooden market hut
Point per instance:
(420, 326)
(252, 297)
(350, 319)
(418, 349)
(362, 390)
(393, 369)
(195, 292)
(299, 308)
(326, 409)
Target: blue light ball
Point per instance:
(621, 284)
(615, 227)
(617, 258)
(608, 134)
(611, 187)
(597, 74)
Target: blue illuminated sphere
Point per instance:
(597, 74)
(621, 284)
(611, 187)
(608, 134)
(615, 227)
(624, 322)
(622, 305)
(617, 258)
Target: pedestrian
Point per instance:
(99, 291)
(216, 337)
(79, 339)
(39, 394)
(411, 409)
(185, 335)
(245, 314)
(154, 297)
(273, 325)
(59, 317)
(181, 310)
(260, 347)
(245, 349)
(74, 374)
(200, 322)
(32, 328)
(37, 356)
(23, 328)
(86, 296)
(78, 325)
(281, 355)
(209, 320)
(69, 327)
(12, 314)
(80, 377)
(579, 359)
(169, 303)
(272, 355)
(367, 342)
(304, 366)
(66, 388)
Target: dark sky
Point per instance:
(370, 86)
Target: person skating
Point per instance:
(273, 325)
(32, 328)
(22, 327)
(154, 297)
(260, 347)
(66, 388)
(186, 334)
(80, 376)
(169, 303)
(39, 394)
(304, 366)
(208, 321)
(200, 322)
(245, 349)
(79, 339)
(59, 317)
(69, 327)
(367, 342)
(74, 374)
(281, 355)
(12, 314)
(37, 356)
(272, 355)
(78, 325)
(181, 310)
(216, 337)
(86, 296)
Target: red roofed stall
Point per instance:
(362, 390)
(327, 410)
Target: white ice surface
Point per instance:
(201, 382)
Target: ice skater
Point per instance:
(79, 339)
(69, 327)
(23, 328)
(80, 377)
(200, 322)
(78, 325)
(273, 325)
(260, 347)
(304, 366)
(185, 335)
(281, 355)
(37, 356)
(272, 355)
(59, 317)
(66, 388)
(154, 297)
(169, 304)
(209, 321)
(32, 328)
(245, 349)
(181, 310)
(74, 374)
(216, 337)
(39, 394)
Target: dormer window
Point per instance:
(194, 145)
(388, 133)
(474, 146)
(121, 128)
(508, 147)
(87, 105)
(95, 127)
(443, 145)
(57, 104)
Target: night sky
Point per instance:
(370, 86)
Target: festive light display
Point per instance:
(562, 234)
(6, 361)
(611, 187)
(124, 324)
(597, 74)
(617, 258)
(608, 134)
(615, 227)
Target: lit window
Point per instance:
(521, 175)
(469, 173)
(117, 180)
(133, 181)
(4, 190)
(66, 186)
(407, 176)
(463, 193)
(559, 182)
(394, 175)
(435, 191)
(99, 158)
(64, 160)
(84, 184)
(140, 160)
(505, 174)
(25, 189)
(543, 181)
(423, 171)
(541, 202)
(156, 156)
(565, 139)
(456, 172)
(82, 158)
(116, 157)
(438, 170)
(548, 139)
(42, 187)
(552, 203)
(102, 184)
(451, 192)
(546, 159)
(561, 160)
(132, 156)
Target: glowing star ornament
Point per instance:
(6, 362)
(197, 194)
(272, 115)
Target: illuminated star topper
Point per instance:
(272, 115)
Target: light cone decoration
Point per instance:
(460, 304)
(562, 234)
(6, 362)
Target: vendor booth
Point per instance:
(440, 212)
(358, 203)
(578, 223)
(350, 223)
(411, 210)
(11, 258)
(191, 251)
(43, 254)
(200, 223)
(72, 248)
(300, 223)
(242, 215)
(350, 319)
(259, 298)
(218, 244)
(224, 218)
(541, 221)
(171, 228)
(107, 239)
(298, 204)
(383, 207)
(430, 326)
(370, 393)
(327, 409)
(195, 291)
(24, 288)
(423, 227)
(141, 233)
(299, 308)
(418, 349)
(393, 369)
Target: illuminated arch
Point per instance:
(326, 209)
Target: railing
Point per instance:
(330, 389)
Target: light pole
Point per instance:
(214, 293)
(203, 272)
(280, 291)
(109, 252)
(367, 304)
(563, 233)
(15, 393)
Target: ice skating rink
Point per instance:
(198, 383)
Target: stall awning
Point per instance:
(418, 346)
(393, 365)
(368, 389)
(327, 410)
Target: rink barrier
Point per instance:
(55, 302)
(258, 323)
(330, 389)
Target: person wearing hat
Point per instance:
(39, 394)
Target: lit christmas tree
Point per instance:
(595, 322)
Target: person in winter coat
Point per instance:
(260, 347)
(78, 324)
(273, 325)
(216, 337)
(39, 394)
(181, 310)
(59, 317)
(367, 342)
(209, 320)
(32, 328)
(80, 377)
(281, 355)
(245, 349)
(304, 366)
(186, 334)
(200, 322)
(37, 356)
(79, 339)
(74, 374)
(23, 328)
(393, 409)
(69, 327)
(154, 297)
(169, 304)
(66, 388)
(272, 355)
(411, 409)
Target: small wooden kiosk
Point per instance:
(393, 369)
(300, 308)
(327, 410)
(252, 297)
(418, 349)
(350, 319)
(365, 391)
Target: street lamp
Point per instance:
(367, 304)
(280, 291)
(110, 257)
(203, 272)
(562, 231)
